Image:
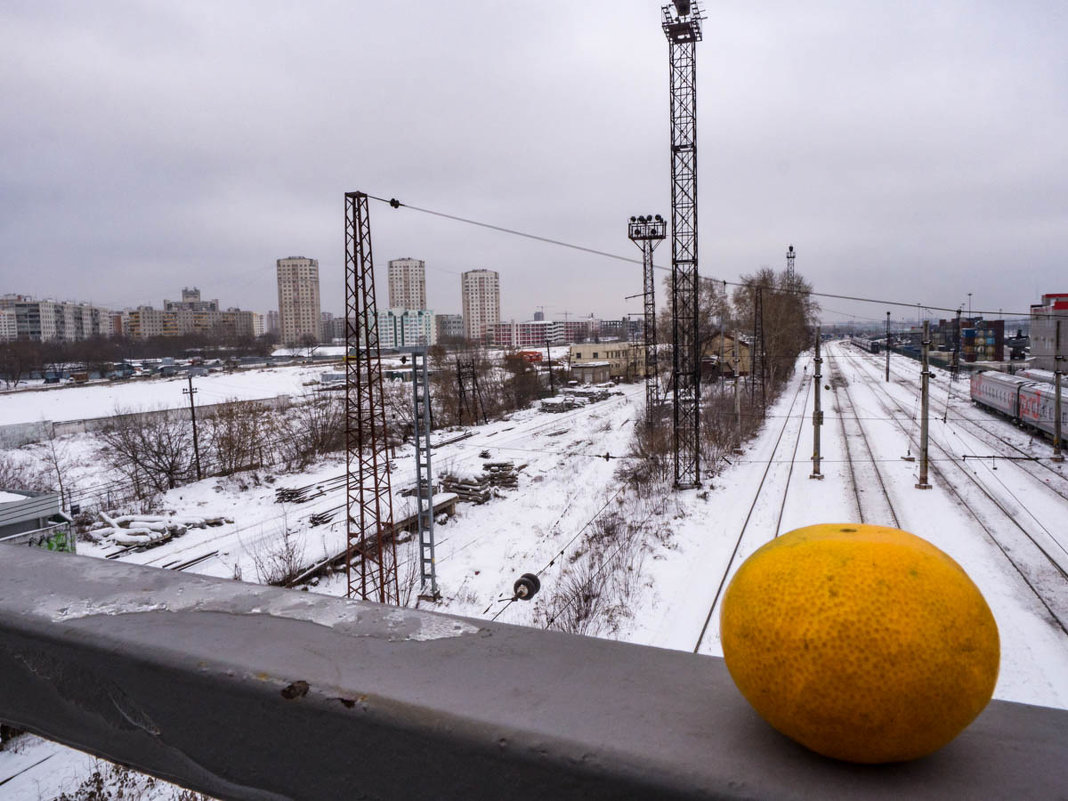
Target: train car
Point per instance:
(998, 391)
(1029, 403)
(1038, 405)
(870, 345)
(1045, 376)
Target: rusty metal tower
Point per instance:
(681, 21)
(371, 558)
(648, 232)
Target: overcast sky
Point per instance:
(912, 151)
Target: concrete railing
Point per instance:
(250, 692)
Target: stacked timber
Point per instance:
(472, 490)
(502, 474)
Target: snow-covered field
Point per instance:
(102, 399)
(693, 541)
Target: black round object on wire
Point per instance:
(526, 586)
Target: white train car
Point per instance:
(998, 391)
(1045, 376)
(1038, 407)
(1027, 402)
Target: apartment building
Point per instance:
(480, 291)
(299, 312)
(407, 284)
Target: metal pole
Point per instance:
(737, 394)
(549, 364)
(956, 350)
(193, 413)
(888, 347)
(925, 376)
(817, 412)
(424, 475)
(1057, 373)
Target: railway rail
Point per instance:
(868, 510)
(788, 419)
(1035, 576)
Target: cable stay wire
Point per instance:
(397, 204)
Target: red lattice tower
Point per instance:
(371, 559)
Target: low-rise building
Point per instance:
(625, 360)
(729, 366)
(449, 326)
(532, 333)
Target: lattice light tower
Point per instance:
(790, 263)
(371, 558)
(647, 232)
(682, 26)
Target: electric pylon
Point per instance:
(371, 555)
(648, 232)
(681, 22)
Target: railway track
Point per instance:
(1037, 466)
(1045, 576)
(1037, 471)
(789, 418)
(880, 508)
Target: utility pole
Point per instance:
(956, 350)
(758, 356)
(737, 394)
(193, 413)
(888, 347)
(1058, 456)
(681, 22)
(549, 364)
(817, 412)
(925, 376)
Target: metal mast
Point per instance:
(648, 232)
(681, 22)
(371, 558)
(790, 264)
(424, 475)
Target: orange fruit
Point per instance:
(863, 643)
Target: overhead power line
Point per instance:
(394, 203)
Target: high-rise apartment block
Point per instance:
(51, 320)
(407, 284)
(298, 300)
(480, 291)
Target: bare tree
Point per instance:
(312, 427)
(788, 313)
(235, 433)
(154, 451)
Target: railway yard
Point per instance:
(997, 505)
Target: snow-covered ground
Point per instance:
(694, 540)
(77, 402)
